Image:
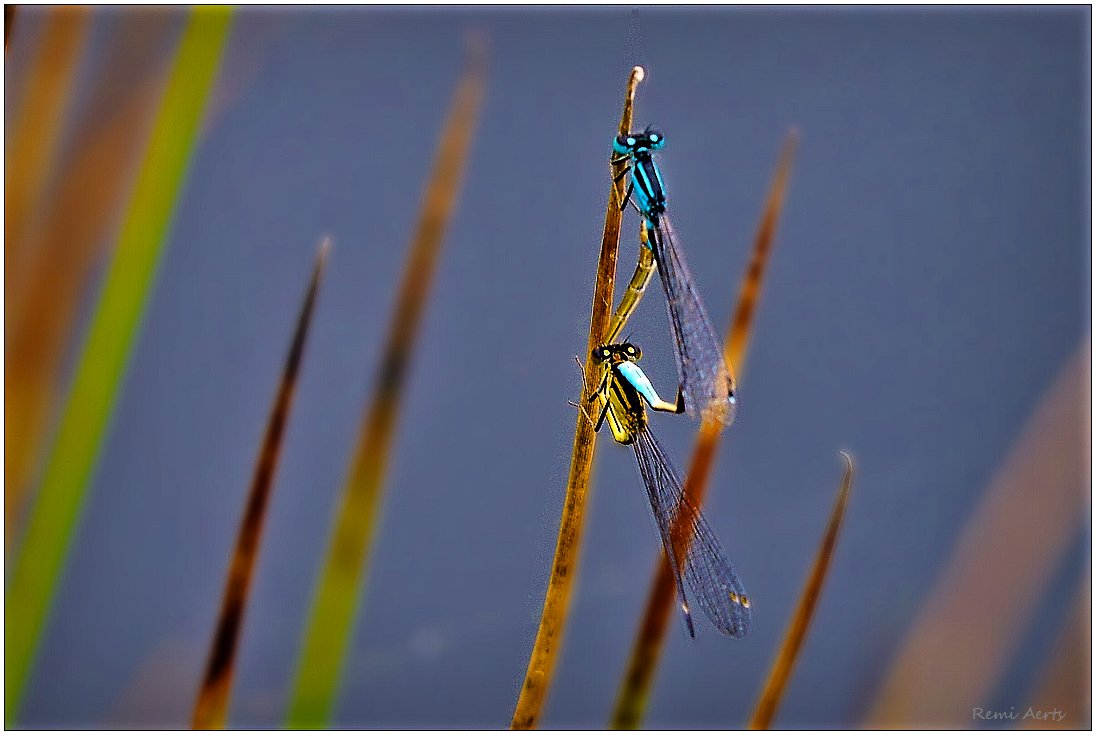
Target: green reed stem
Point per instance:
(101, 370)
(339, 588)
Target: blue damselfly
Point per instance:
(706, 380)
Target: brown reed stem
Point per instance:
(635, 687)
(61, 254)
(542, 659)
(211, 706)
(784, 663)
(36, 126)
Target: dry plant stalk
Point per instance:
(338, 591)
(61, 255)
(1066, 681)
(782, 667)
(1000, 567)
(635, 687)
(36, 127)
(542, 659)
(211, 706)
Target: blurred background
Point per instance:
(926, 308)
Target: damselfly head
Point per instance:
(650, 139)
(624, 352)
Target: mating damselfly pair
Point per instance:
(700, 567)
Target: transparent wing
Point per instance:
(699, 351)
(707, 573)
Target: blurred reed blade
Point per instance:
(1036, 503)
(63, 252)
(36, 126)
(635, 687)
(782, 667)
(100, 372)
(211, 706)
(557, 598)
(339, 588)
(1066, 683)
(9, 21)
(749, 293)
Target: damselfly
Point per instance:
(709, 387)
(695, 555)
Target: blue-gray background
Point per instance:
(930, 277)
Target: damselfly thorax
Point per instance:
(645, 188)
(623, 390)
(625, 408)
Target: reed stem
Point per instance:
(211, 705)
(100, 373)
(781, 671)
(37, 125)
(340, 586)
(61, 254)
(542, 659)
